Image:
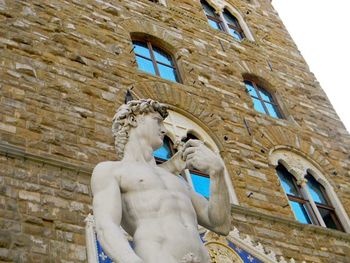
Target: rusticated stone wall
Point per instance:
(65, 66)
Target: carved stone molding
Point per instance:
(221, 253)
(255, 249)
(18, 152)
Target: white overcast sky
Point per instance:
(321, 30)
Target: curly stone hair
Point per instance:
(123, 120)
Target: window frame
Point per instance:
(150, 45)
(299, 199)
(310, 212)
(299, 163)
(235, 26)
(217, 19)
(224, 25)
(327, 206)
(273, 101)
(306, 199)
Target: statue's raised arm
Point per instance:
(215, 213)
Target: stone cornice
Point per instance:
(235, 209)
(18, 152)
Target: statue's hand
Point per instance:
(177, 161)
(176, 164)
(200, 157)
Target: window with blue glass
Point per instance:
(300, 207)
(233, 25)
(213, 19)
(262, 100)
(326, 210)
(155, 61)
(201, 183)
(227, 22)
(199, 180)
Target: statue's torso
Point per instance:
(159, 214)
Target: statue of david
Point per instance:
(151, 202)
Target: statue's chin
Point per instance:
(158, 145)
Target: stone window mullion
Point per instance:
(224, 23)
(306, 193)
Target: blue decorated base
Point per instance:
(245, 256)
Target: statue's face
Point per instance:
(151, 128)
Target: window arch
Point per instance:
(227, 21)
(315, 195)
(155, 61)
(180, 129)
(263, 101)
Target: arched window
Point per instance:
(317, 202)
(224, 21)
(300, 207)
(262, 99)
(323, 204)
(181, 129)
(213, 19)
(155, 61)
(233, 25)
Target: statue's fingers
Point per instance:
(188, 151)
(193, 143)
(190, 164)
(190, 156)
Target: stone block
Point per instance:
(7, 128)
(257, 174)
(29, 196)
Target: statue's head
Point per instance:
(126, 118)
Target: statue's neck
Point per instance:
(138, 150)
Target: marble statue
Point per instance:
(151, 202)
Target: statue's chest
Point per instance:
(146, 178)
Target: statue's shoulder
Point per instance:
(107, 167)
(104, 174)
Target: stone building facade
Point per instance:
(65, 67)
